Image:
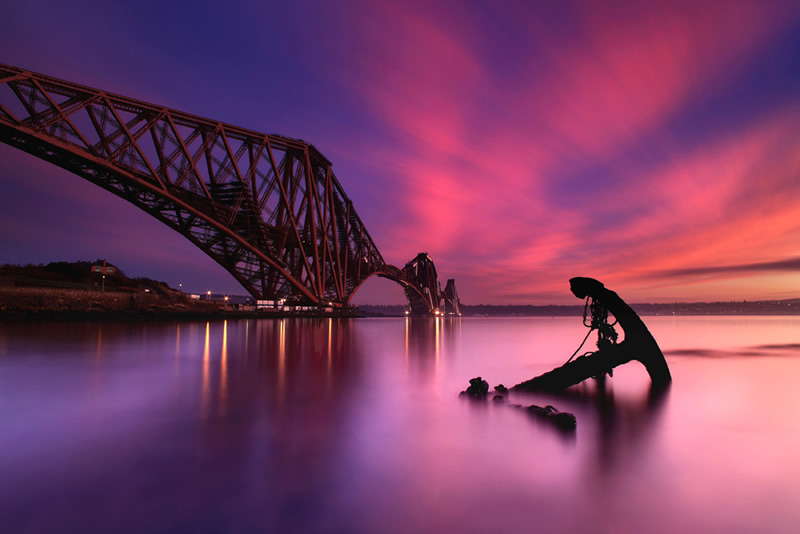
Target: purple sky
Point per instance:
(652, 145)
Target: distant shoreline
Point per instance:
(155, 316)
(754, 308)
(48, 303)
(62, 304)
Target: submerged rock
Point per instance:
(563, 420)
(478, 388)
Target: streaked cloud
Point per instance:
(788, 265)
(519, 143)
(575, 170)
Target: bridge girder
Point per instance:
(268, 208)
(420, 273)
(451, 302)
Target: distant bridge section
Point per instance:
(423, 291)
(268, 208)
(452, 304)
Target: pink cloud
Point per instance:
(475, 163)
(732, 202)
(638, 62)
(482, 149)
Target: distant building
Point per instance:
(103, 268)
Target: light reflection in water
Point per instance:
(246, 339)
(282, 358)
(406, 343)
(367, 433)
(424, 344)
(206, 393)
(438, 340)
(223, 366)
(330, 350)
(99, 351)
(177, 343)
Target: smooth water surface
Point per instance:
(356, 426)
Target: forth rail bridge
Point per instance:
(267, 208)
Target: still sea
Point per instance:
(356, 426)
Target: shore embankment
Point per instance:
(47, 303)
(98, 290)
(62, 303)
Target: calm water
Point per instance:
(356, 426)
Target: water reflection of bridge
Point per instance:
(266, 207)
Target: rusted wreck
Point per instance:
(639, 344)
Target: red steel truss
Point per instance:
(423, 291)
(267, 208)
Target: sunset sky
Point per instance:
(652, 145)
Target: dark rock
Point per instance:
(563, 420)
(498, 398)
(478, 388)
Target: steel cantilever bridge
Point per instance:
(267, 208)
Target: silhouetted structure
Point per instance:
(103, 267)
(266, 207)
(452, 304)
(421, 273)
(639, 343)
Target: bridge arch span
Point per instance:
(268, 208)
(390, 272)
